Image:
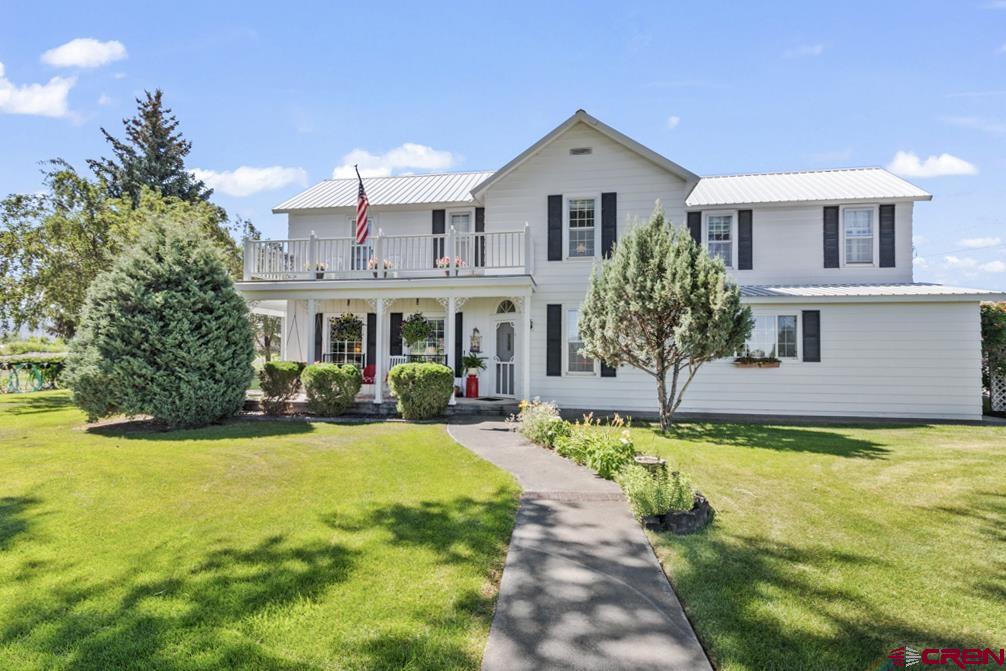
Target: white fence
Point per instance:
(386, 256)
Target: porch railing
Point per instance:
(450, 254)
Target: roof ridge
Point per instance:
(795, 172)
(422, 174)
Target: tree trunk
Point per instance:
(665, 418)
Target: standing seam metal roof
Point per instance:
(453, 187)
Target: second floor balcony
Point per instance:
(450, 254)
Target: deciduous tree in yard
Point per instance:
(663, 305)
(164, 333)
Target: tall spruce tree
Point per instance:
(151, 155)
(663, 305)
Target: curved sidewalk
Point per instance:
(581, 587)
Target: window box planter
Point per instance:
(751, 362)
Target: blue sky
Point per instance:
(288, 91)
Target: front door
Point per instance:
(504, 359)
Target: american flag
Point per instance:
(362, 205)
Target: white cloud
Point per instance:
(980, 243)
(246, 181)
(907, 164)
(85, 52)
(993, 267)
(407, 156)
(958, 262)
(48, 99)
(920, 263)
(673, 121)
(103, 99)
(804, 51)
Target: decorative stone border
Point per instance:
(683, 522)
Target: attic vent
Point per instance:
(580, 151)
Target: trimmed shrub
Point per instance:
(163, 333)
(653, 494)
(330, 387)
(540, 422)
(423, 389)
(280, 381)
(604, 448)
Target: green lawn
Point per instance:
(834, 545)
(261, 545)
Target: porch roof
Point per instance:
(909, 291)
(418, 287)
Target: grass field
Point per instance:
(833, 545)
(252, 545)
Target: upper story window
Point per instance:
(575, 362)
(857, 223)
(361, 254)
(581, 218)
(772, 336)
(719, 237)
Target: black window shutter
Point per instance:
(553, 340)
(480, 241)
(831, 236)
(811, 335)
(607, 371)
(439, 228)
(887, 236)
(371, 337)
(555, 228)
(319, 325)
(395, 334)
(459, 338)
(609, 222)
(745, 240)
(695, 227)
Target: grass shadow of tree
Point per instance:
(189, 621)
(781, 438)
(734, 587)
(234, 429)
(14, 517)
(25, 404)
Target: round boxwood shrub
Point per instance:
(163, 333)
(280, 381)
(423, 389)
(330, 388)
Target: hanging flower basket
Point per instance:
(416, 330)
(346, 327)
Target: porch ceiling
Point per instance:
(430, 287)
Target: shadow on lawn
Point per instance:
(787, 439)
(14, 519)
(192, 620)
(735, 587)
(458, 531)
(27, 404)
(988, 511)
(233, 429)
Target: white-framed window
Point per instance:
(575, 362)
(437, 331)
(581, 220)
(720, 236)
(773, 336)
(346, 351)
(360, 254)
(858, 232)
(463, 223)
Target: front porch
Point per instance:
(484, 316)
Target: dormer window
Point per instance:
(857, 223)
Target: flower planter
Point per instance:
(756, 364)
(319, 276)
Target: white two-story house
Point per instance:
(499, 263)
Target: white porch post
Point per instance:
(379, 354)
(525, 349)
(449, 325)
(310, 331)
(284, 344)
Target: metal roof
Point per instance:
(906, 290)
(446, 188)
(847, 184)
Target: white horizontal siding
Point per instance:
(893, 359)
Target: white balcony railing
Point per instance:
(450, 254)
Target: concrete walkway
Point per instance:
(581, 587)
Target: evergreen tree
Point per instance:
(164, 333)
(151, 155)
(663, 305)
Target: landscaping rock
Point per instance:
(690, 521)
(654, 465)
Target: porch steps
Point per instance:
(465, 407)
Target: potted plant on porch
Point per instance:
(757, 359)
(416, 330)
(474, 364)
